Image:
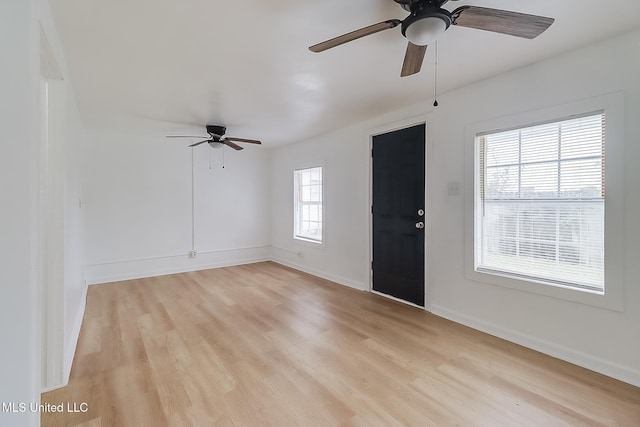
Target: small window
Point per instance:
(308, 204)
(540, 200)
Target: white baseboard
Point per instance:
(605, 367)
(332, 277)
(151, 267)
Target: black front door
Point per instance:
(398, 214)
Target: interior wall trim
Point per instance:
(605, 367)
(173, 264)
(71, 345)
(72, 342)
(322, 274)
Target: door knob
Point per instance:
(420, 224)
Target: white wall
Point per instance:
(597, 338)
(600, 339)
(343, 257)
(139, 206)
(19, 277)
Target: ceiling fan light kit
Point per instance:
(422, 28)
(427, 21)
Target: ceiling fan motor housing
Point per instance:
(412, 5)
(216, 130)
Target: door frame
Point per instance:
(379, 130)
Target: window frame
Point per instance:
(297, 203)
(613, 107)
(550, 202)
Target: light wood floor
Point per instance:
(264, 345)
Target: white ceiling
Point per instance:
(245, 64)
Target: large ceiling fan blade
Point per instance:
(250, 141)
(185, 136)
(501, 21)
(198, 143)
(413, 58)
(353, 35)
(231, 144)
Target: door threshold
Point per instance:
(397, 299)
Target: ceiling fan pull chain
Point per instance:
(223, 156)
(435, 78)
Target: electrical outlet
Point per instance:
(193, 254)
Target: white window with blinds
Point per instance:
(540, 203)
(308, 204)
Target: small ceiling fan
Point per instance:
(428, 20)
(217, 138)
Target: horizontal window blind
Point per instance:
(308, 204)
(541, 202)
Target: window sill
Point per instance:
(301, 241)
(317, 242)
(608, 300)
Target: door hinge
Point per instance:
(371, 208)
(372, 265)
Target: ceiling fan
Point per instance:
(217, 138)
(428, 20)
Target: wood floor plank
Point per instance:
(263, 344)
